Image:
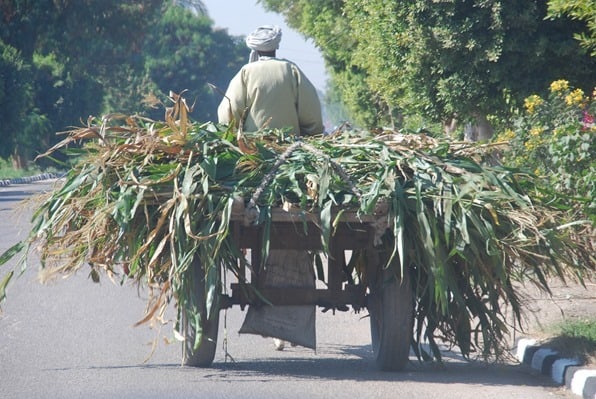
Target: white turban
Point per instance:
(265, 38)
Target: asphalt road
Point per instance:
(75, 339)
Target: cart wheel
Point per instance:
(203, 355)
(390, 308)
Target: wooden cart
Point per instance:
(386, 295)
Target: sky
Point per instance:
(241, 17)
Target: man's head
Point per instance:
(263, 41)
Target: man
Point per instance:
(274, 93)
(269, 92)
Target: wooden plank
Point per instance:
(285, 235)
(294, 214)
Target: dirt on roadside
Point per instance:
(570, 301)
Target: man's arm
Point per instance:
(309, 107)
(233, 104)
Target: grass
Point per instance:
(7, 171)
(575, 339)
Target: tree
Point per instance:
(455, 58)
(102, 42)
(581, 10)
(324, 22)
(64, 60)
(197, 7)
(75, 52)
(15, 96)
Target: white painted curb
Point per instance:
(29, 179)
(522, 345)
(539, 357)
(579, 380)
(559, 367)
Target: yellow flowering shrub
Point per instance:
(532, 102)
(536, 131)
(506, 135)
(559, 85)
(554, 139)
(576, 97)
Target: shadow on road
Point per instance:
(351, 369)
(15, 196)
(358, 367)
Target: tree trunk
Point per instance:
(479, 131)
(449, 127)
(18, 160)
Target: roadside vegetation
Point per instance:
(7, 171)
(575, 339)
(63, 61)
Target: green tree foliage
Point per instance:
(15, 96)
(555, 139)
(440, 59)
(75, 52)
(64, 60)
(582, 10)
(324, 22)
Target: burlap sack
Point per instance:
(295, 324)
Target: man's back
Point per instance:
(272, 93)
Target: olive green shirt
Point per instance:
(272, 93)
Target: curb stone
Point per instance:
(29, 179)
(568, 372)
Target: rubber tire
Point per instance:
(204, 354)
(390, 308)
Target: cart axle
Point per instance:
(247, 294)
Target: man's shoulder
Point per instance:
(269, 63)
(288, 62)
(263, 61)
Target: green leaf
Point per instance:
(4, 284)
(11, 252)
(326, 225)
(319, 267)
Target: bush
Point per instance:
(576, 338)
(554, 138)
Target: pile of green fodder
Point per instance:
(145, 197)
